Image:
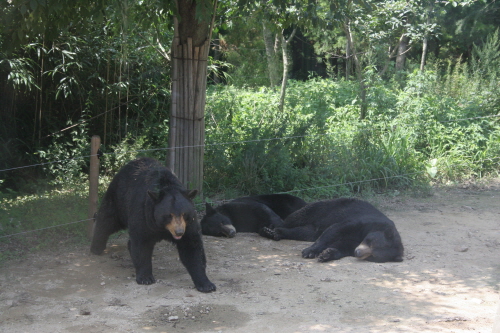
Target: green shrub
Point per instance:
(318, 141)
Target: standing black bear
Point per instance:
(249, 214)
(149, 200)
(341, 227)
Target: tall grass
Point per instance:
(316, 141)
(444, 119)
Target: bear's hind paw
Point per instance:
(309, 253)
(329, 254)
(268, 233)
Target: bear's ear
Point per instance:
(389, 233)
(209, 209)
(154, 195)
(191, 194)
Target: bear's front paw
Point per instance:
(329, 254)
(145, 279)
(269, 233)
(309, 252)
(207, 287)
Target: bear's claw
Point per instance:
(329, 254)
(145, 280)
(309, 253)
(267, 233)
(206, 288)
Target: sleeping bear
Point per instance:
(339, 228)
(249, 214)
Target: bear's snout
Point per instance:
(363, 251)
(177, 226)
(228, 230)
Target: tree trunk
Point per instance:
(190, 48)
(358, 70)
(271, 42)
(424, 53)
(348, 63)
(425, 43)
(391, 55)
(401, 57)
(286, 65)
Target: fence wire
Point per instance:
(242, 142)
(229, 143)
(44, 228)
(285, 192)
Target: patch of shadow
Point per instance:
(230, 285)
(23, 320)
(116, 302)
(22, 299)
(494, 278)
(426, 208)
(193, 318)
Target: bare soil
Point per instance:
(448, 281)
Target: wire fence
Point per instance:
(284, 192)
(351, 183)
(44, 228)
(233, 143)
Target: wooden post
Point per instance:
(93, 183)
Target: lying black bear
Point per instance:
(249, 214)
(282, 204)
(149, 200)
(341, 227)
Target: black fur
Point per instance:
(342, 227)
(249, 214)
(146, 198)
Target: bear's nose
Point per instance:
(362, 251)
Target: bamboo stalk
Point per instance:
(190, 74)
(175, 100)
(181, 160)
(199, 51)
(203, 81)
(200, 120)
(174, 105)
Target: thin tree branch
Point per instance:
(159, 48)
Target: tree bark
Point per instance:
(424, 53)
(391, 55)
(271, 42)
(190, 48)
(401, 57)
(358, 70)
(348, 63)
(286, 65)
(425, 43)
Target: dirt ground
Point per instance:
(448, 281)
